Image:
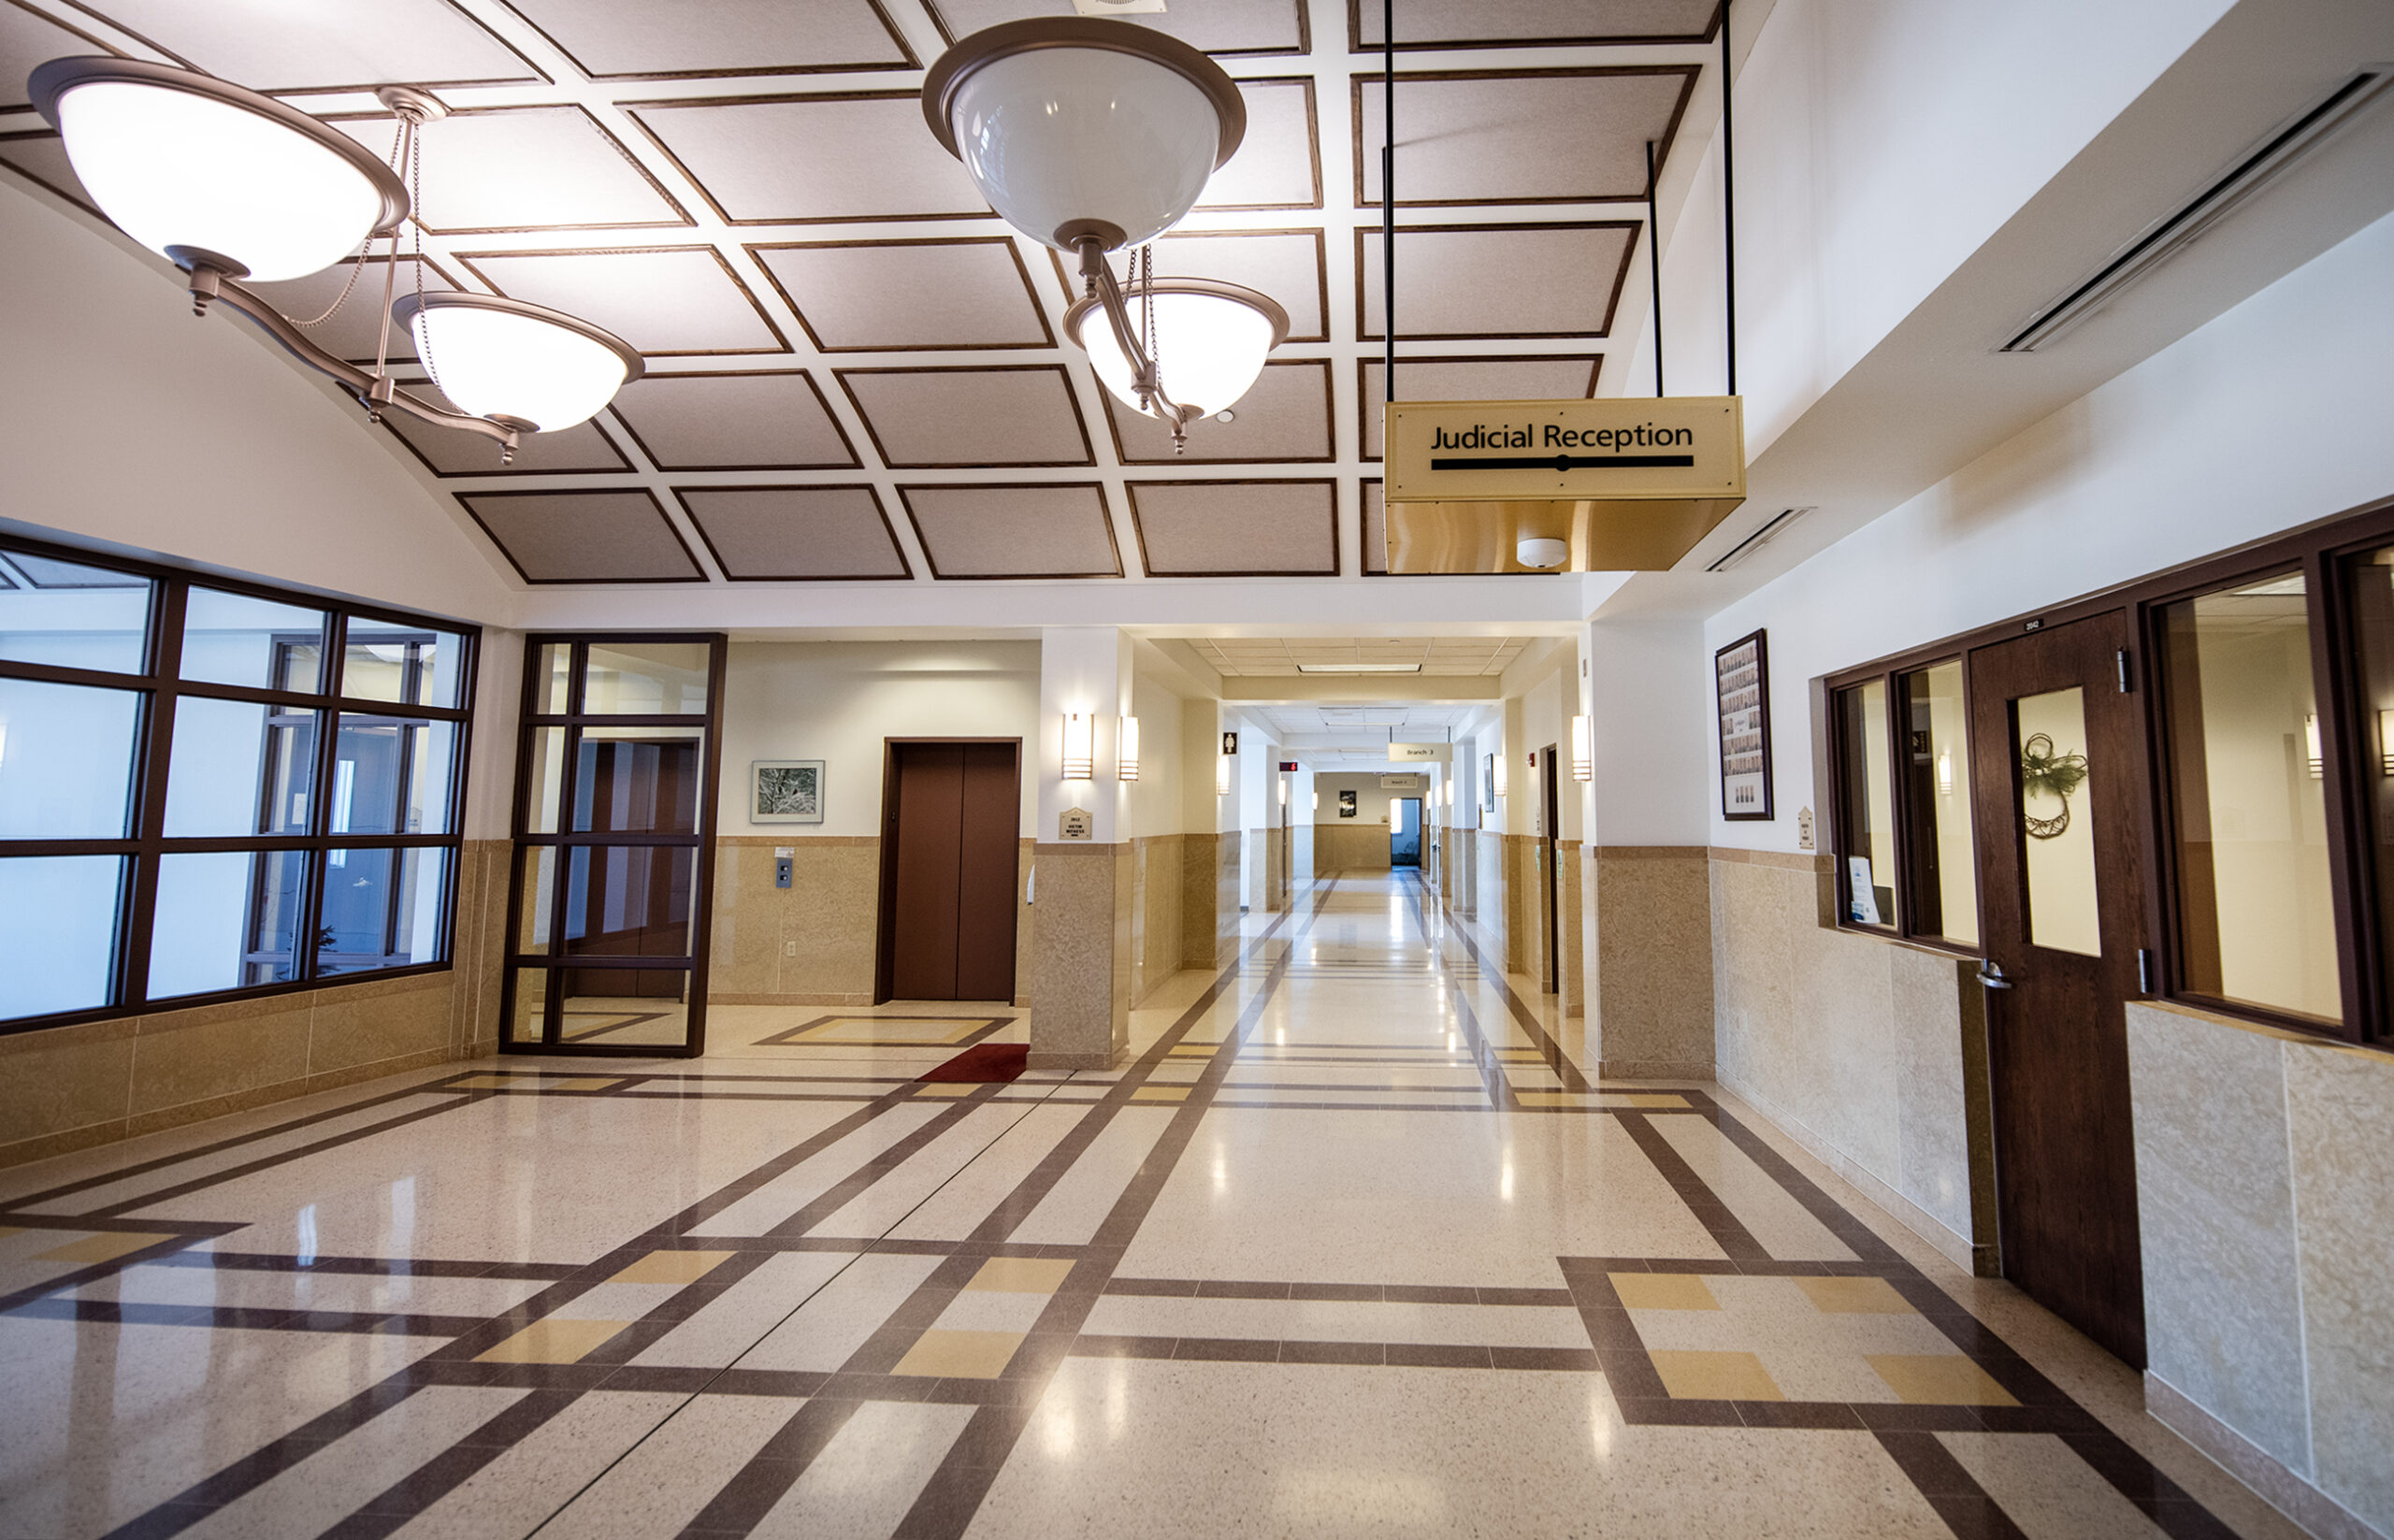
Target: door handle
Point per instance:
(1991, 974)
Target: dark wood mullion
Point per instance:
(51, 673)
(301, 700)
(1899, 808)
(320, 816)
(701, 927)
(2344, 780)
(519, 856)
(605, 719)
(561, 878)
(141, 912)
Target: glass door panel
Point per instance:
(2056, 820)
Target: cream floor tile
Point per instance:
(515, 1493)
(1083, 1196)
(758, 1212)
(896, 1194)
(663, 1482)
(2044, 1488)
(1337, 1320)
(743, 1315)
(959, 1204)
(869, 1475)
(106, 1247)
(989, 1310)
(245, 1288)
(837, 1319)
(1768, 1211)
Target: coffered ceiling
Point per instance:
(856, 372)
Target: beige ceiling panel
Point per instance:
(1019, 415)
(524, 169)
(1472, 380)
(795, 533)
(1284, 416)
(1497, 281)
(1520, 136)
(323, 45)
(640, 39)
(447, 452)
(1217, 27)
(43, 158)
(1286, 264)
(355, 330)
(1014, 532)
(679, 301)
(1276, 166)
(583, 537)
(1375, 531)
(26, 39)
(1199, 529)
(1514, 23)
(774, 420)
(804, 159)
(861, 297)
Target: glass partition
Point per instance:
(1941, 867)
(1865, 825)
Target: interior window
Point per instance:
(1865, 807)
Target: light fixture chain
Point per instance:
(415, 239)
(357, 263)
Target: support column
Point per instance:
(1080, 945)
(1200, 815)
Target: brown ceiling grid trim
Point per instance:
(847, 444)
(1072, 400)
(535, 76)
(905, 573)
(906, 495)
(1358, 83)
(1138, 521)
(1313, 147)
(1356, 43)
(529, 456)
(633, 111)
(680, 220)
(907, 58)
(495, 499)
(1369, 401)
(1207, 428)
(1304, 34)
(1364, 269)
(781, 338)
(1071, 286)
(1045, 339)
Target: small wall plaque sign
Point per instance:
(1076, 824)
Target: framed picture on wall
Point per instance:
(786, 791)
(1741, 680)
(1346, 804)
(1488, 783)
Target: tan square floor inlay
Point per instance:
(1854, 1297)
(493, 1082)
(1939, 1379)
(947, 1088)
(1716, 1376)
(102, 1248)
(579, 1083)
(673, 1267)
(7, 1230)
(552, 1341)
(1651, 1100)
(1161, 1093)
(943, 1354)
(1194, 1050)
(1022, 1275)
(1662, 1291)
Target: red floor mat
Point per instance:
(986, 1061)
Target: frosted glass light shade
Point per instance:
(526, 365)
(1211, 340)
(1072, 124)
(186, 164)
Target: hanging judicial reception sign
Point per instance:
(1626, 482)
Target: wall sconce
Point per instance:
(1316, 801)
(1127, 761)
(2311, 744)
(2386, 743)
(1222, 776)
(1080, 760)
(1583, 750)
(1451, 793)
(1945, 773)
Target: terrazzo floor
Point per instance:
(1350, 1246)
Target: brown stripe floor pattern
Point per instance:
(1350, 1245)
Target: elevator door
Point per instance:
(948, 868)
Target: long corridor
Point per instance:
(1352, 1247)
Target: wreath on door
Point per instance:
(2055, 774)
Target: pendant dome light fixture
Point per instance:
(231, 185)
(1216, 335)
(1089, 135)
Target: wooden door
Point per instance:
(1550, 804)
(2057, 755)
(948, 910)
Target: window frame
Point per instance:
(145, 843)
(1889, 675)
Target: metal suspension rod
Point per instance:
(1655, 265)
(1388, 198)
(1099, 274)
(1728, 202)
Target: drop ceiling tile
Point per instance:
(1278, 164)
(636, 39)
(675, 301)
(1215, 27)
(1058, 531)
(1284, 416)
(774, 160)
(1286, 265)
(323, 45)
(42, 158)
(28, 38)
(765, 420)
(795, 533)
(1542, 136)
(896, 295)
(1003, 416)
(1496, 281)
(1551, 378)
(1521, 24)
(1193, 530)
(523, 168)
(447, 452)
(583, 537)
(355, 329)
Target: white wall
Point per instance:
(1156, 797)
(1371, 798)
(836, 701)
(1649, 705)
(2273, 415)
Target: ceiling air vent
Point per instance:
(1756, 542)
(2276, 154)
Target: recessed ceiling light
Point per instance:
(1359, 667)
